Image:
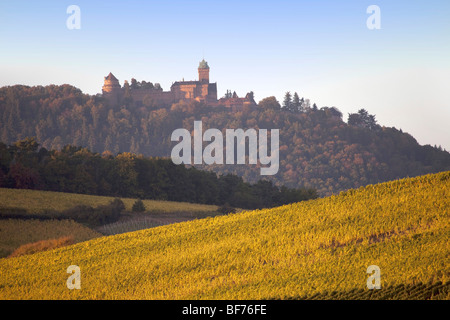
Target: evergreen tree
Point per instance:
(126, 86)
(296, 103)
(363, 119)
(138, 206)
(287, 102)
(228, 94)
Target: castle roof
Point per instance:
(177, 83)
(111, 77)
(203, 65)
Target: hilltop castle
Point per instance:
(200, 90)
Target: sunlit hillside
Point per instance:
(319, 248)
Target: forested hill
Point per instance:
(318, 148)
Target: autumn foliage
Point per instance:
(318, 149)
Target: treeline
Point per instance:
(77, 170)
(318, 149)
(84, 214)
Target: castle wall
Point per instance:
(113, 97)
(187, 91)
(212, 91)
(157, 96)
(204, 90)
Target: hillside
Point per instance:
(318, 149)
(22, 223)
(313, 249)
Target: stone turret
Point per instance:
(111, 84)
(111, 89)
(203, 71)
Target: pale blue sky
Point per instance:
(321, 49)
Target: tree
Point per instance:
(24, 177)
(363, 119)
(25, 151)
(126, 87)
(146, 85)
(296, 103)
(304, 104)
(138, 206)
(5, 156)
(333, 111)
(27, 145)
(287, 102)
(228, 94)
(269, 103)
(134, 84)
(125, 174)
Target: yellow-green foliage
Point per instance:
(37, 201)
(297, 250)
(16, 232)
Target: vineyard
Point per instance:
(419, 291)
(317, 249)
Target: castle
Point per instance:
(201, 90)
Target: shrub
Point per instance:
(226, 208)
(81, 213)
(118, 204)
(19, 213)
(138, 206)
(107, 213)
(95, 216)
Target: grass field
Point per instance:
(35, 201)
(314, 249)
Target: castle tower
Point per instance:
(111, 84)
(111, 89)
(203, 71)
